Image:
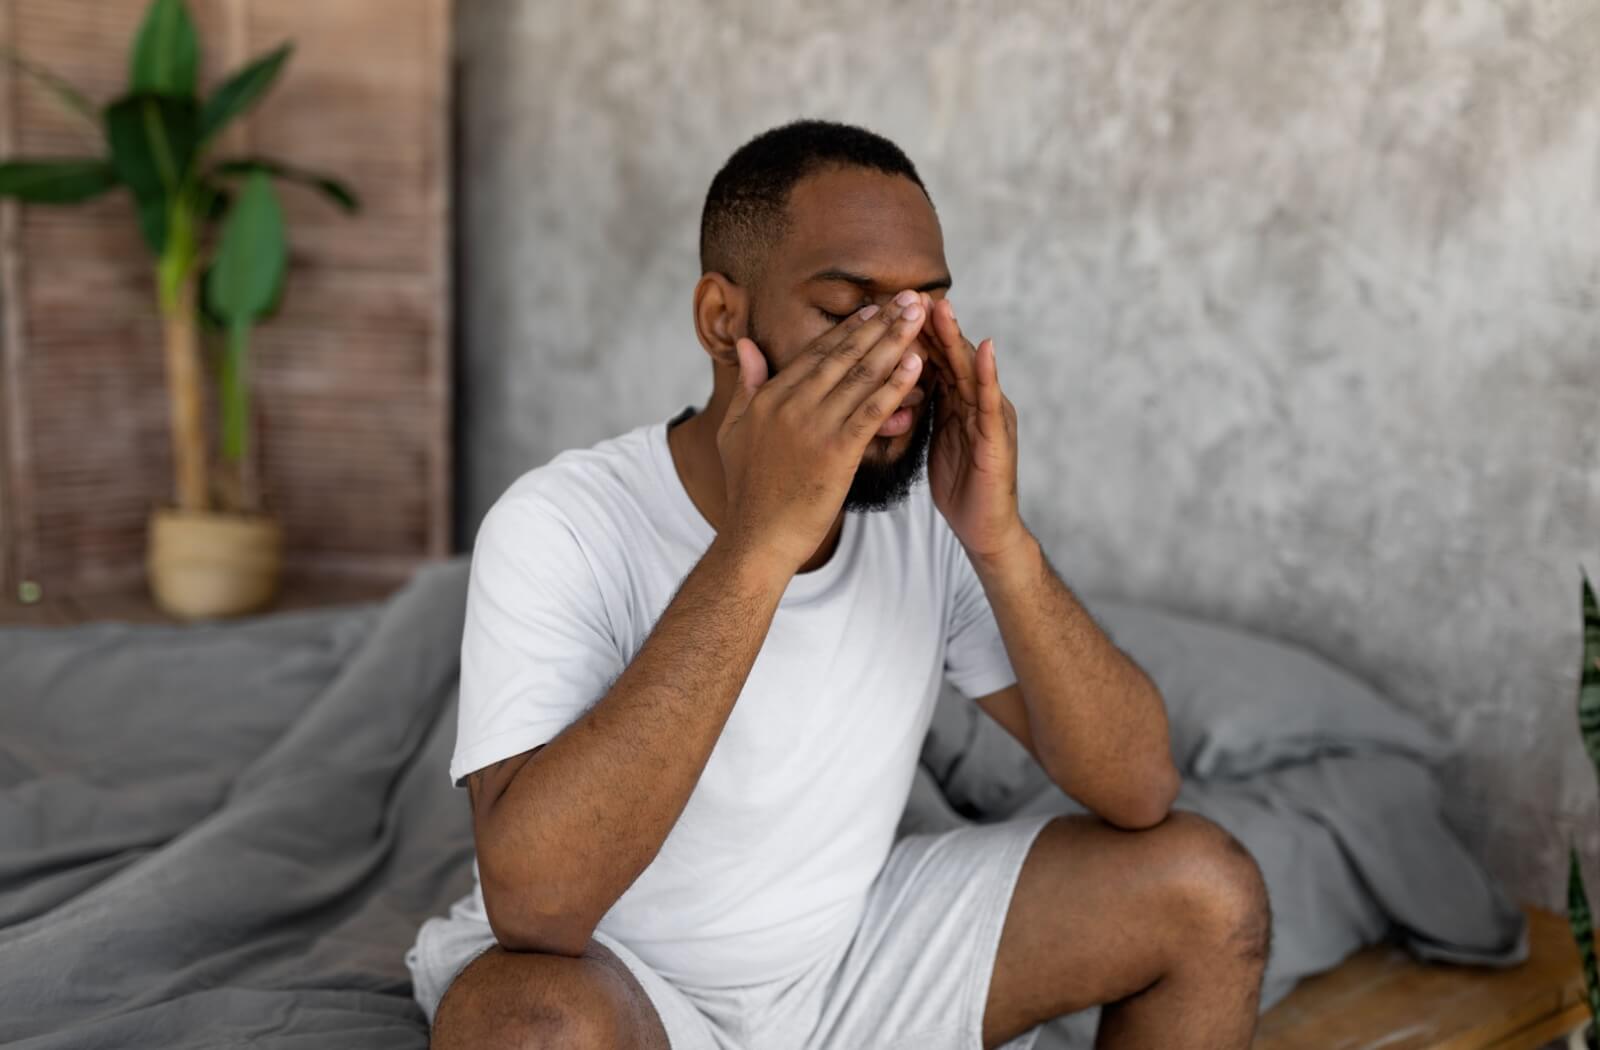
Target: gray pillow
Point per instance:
(1237, 704)
(1240, 704)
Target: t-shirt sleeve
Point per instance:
(975, 658)
(537, 649)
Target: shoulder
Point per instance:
(559, 532)
(581, 492)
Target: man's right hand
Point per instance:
(791, 445)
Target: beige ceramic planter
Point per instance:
(203, 565)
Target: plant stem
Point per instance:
(180, 323)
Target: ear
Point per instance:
(721, 311)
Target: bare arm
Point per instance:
(1096, 722)
(563, 830)
(1091, 716)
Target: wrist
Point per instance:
(754, 566)
(1017, 558)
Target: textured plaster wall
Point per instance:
(1299, 303)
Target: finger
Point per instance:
(957, 351)
(752, 374)
(860, 378)
(869, 415)
(935, 343)
(900, 317)
(945, 328)
(826, 343)
(991, 416)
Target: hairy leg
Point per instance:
(1168, 928)
(528, 999)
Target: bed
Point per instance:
(227, 834)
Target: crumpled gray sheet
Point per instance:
(159, 893)
(227, 835)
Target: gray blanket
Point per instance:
(227, 835)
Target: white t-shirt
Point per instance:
(769, 864)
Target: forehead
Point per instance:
(863, 222)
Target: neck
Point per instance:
(693, 444)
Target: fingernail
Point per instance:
(911, 363)
(868, 311)
(912, 312)
(906, 298)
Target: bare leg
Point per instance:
(522, 999)
(1168, 928)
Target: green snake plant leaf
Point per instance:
(166, 53)
(243, 285)
(153, 145)
(1582, 921)
(56, 181)
(65, 93)
(1589, 677)
(337, 191)
(1578, 913)
(241, 90)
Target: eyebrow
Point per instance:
(863, 281)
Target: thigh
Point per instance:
(1099, 913)
(913, 976)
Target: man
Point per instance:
(700, 659)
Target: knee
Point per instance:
(1216, 887)
(537, 1008)
(581, 1021)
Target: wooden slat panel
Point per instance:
(376, 116)
(352, 378)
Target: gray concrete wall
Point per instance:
(1299, 303)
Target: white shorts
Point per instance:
(915, 974)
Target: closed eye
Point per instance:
(834, 318)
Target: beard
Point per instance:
(881, 485)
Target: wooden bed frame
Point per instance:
(1382, 999)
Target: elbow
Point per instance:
(526, 919)
(523, 930)
(1149, 805)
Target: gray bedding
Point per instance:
(227, 835)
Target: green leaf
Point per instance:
(64, 92)
(243, 285)
(207, 314)
(333, 188)
(153, 144)
(1589, 677)
(153, 214)
(251, 255)
(166, 54)
(1582, 922)
(153, 141)
(214, 201)
(56, 181)
(241, 90)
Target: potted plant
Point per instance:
(1589, 726)
(216, 230)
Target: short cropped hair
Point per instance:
(746, 209)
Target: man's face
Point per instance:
(856, 236)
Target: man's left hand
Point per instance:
(972, 458)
